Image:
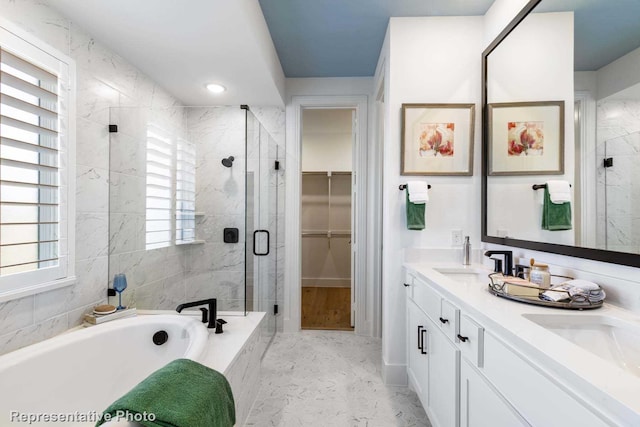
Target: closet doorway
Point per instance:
(327, 219)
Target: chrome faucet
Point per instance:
(211, 318)
(508, 261)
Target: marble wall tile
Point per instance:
(92, 237)
(128, 154)
(92, 278)
(166, 294)
(92, 144)
(94, 97)
(33, 334)
(618, 191)
(16, 314)
(126, 233)
(92, 190)
(210, 228)
(142, 267)
(37, 18)
(127, 193)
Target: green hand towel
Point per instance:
(415, 215)
(555, 217)
(183, 393)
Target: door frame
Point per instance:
(293, 260)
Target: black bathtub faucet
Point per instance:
(508, 261)
(209, 316)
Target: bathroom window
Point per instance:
(170, 189)
(36, 219)
(160, 155)
(185, 192)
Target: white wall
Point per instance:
(327, 140)
(619, 74)
(424, 60)
(512, 78)
(104, 80)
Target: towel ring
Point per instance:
(404, 186)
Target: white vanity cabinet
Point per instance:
(417, 360)
(481, 405)
(433, 359)
(467, 376)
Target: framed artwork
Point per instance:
(437, 139)
(526, 138)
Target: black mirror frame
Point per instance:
(621, 258)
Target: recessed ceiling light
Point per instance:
(216, 88)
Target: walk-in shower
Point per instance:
(170, 204)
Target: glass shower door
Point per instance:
(262, 193)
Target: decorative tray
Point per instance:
(572, 302)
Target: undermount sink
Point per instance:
(464, 274)
(612, 339)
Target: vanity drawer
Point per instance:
(470, 340)
(508, 370)
(427, 299)
(449, 319)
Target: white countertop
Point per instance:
(601, 382)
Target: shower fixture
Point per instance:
(228, 162)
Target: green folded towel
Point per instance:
(555, 217)
(183, 393)
(415, 215)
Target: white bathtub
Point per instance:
(85, 370)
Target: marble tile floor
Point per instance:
(330, 378)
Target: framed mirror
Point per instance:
(561, 102)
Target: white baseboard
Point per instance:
(395, 375)
(326, 283)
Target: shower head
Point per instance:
(228, 162)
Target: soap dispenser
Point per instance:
(466, 251)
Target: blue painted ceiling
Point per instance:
(343, 38)
(604, 30)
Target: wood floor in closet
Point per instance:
(326, 308)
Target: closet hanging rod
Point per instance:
(541, 186)
(324, 173)
(333, 234)
(403, 186)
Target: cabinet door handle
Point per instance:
(422, 349)
(463, 339)
(444, 320)
(420, 328)
(406, 285)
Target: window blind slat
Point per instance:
(27, 67)
(23, 145)
(27, 106)
(27, 165)
(26, 87)
(18, 124)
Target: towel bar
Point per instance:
(403, 186)
(541, 186)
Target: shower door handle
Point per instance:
(268, 242)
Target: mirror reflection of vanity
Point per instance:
(561, 98)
